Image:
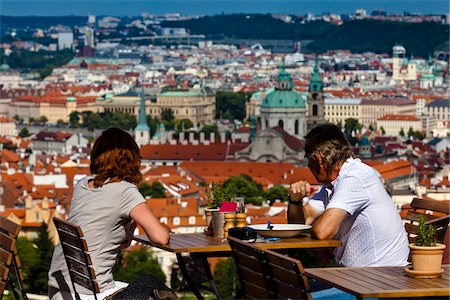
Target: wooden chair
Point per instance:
(247, 258)
(7, 244)
(10, 266)
(79, 263)
(286, 276)
(419, 208)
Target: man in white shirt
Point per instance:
(352, 206)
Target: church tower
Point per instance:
(142, 131)
(315, 101)
(284, 107)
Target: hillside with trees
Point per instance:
(357, 35)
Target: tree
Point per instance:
(39, 271)
(231, 105)
(351, 124)
(167, 115)
(244, 186)
(410, 132)
(276, 192)
(183, 124)
(153, 123)
(155, 190)
(383, 132)
(29, 256)
(401, 132)
(43, 119)
(24, 132)
(137, 263)
(74, 119)
(60, 123)
(208, 129)
(94, 121)
(226, 278)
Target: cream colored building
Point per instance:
(393, 124)
(372, 110)
(60, 108)
(337, 110)
(197, 105)
(439, 109)
(7, 127)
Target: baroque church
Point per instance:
(286, 117)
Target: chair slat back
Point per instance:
(438, 206)
(247, 258)
(5, 262)
(9, 259)
(286, 276)
(420, 207)
(77, 257)
(9, 227)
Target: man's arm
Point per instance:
(327, 225)
(301, 214)
(297, 212)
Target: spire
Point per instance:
(284, 79)
(142, 125)
(316, 83)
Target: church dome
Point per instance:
(364, 141)
(284, 94)
(279, 98)
(4, 68)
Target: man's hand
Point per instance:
(299, 190)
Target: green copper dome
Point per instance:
(364, 141)
(284, 95)
(71, 99)
(283, 99)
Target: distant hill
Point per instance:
(358, 36)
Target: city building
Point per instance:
(54, 107)
(393, 124)
(195, 104)
(284, 107)
(65, 40)
(57, 142)
(8, 127)
(402, 69)
(337, 110)
(315, 102)
(372, 110)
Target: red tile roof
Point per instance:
(217, 151)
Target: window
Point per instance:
(281, 124)
(191, 220)
(296, 127)
(163, 220)
(176, 221)
(314, 110)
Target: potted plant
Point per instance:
(426, 253)
(216, 195)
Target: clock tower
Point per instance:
(315, 101)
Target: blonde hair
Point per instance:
(328, 141)
(115, 157)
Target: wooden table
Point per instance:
(203, 246)
(382, 282)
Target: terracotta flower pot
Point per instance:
(427, 259)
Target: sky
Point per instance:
(212, 7)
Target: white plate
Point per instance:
(280, 230)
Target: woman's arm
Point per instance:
(142, 215)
